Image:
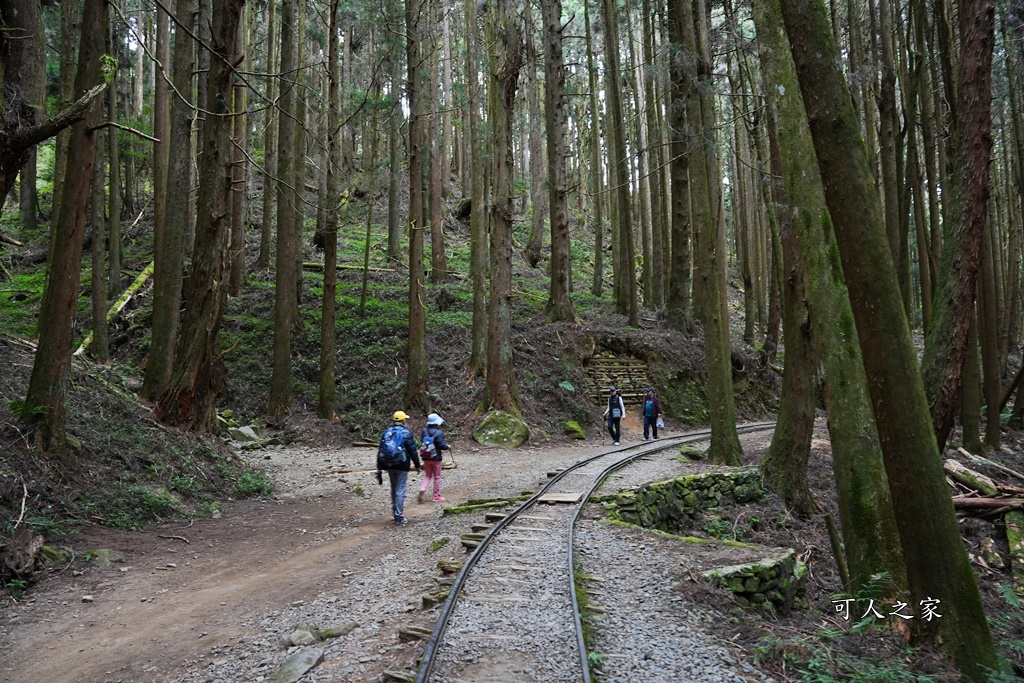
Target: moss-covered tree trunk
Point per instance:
(785, 464)
(865, 508)
(709, 240)
(935, 556)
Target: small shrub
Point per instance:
(253, 485)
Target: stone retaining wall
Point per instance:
(673, 505)
(774, 581)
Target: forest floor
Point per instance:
(190, 595)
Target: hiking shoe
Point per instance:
(401, 521)
(438, 498)
(616, 443)
(646, 439)
(419, 496)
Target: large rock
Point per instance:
(106, 558)
(244, 434)
(297, 664)
(304, 634)
(502, 429)
(574, 430)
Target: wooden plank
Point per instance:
(560, 498)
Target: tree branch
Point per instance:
(47, 129)
(114, 124)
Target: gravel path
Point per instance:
(645, 634)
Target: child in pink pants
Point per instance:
(431, 452)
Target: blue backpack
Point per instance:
(428, 451)
(393, 452)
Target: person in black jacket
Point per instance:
(396, 465)
(432, 462)
(616, 409)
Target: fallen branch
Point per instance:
(986, 461)
(24, 497)
(10, 240)
(176, 538)
(121, 302)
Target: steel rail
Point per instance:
(434, 642)
(600, 479)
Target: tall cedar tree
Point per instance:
(45, 408)
(596, 172)
(936, 560)
(538, 209)
(168, 271)
(190, 396)
(622, 226)
(559, 306)
(477, 211)
(680, 314)
(416, 382)
(862, 489)
(22, 72)
(325, 403)
(968, 159)
(288, 227)
(507, 62)
(709, 238)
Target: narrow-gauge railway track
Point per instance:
(512, 612)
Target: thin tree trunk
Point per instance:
(538, 205)
(655, 160)
(478, 216)
(596, 173)
(98, 280)
(113, 150)
(328, 318)
(287, 217)
(161, 131)
(239, 175)
(270, 126)
(970, 393)
(988, 340)
(438, 257)
(69, 34)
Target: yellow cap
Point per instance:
(399, 416)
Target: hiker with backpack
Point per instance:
(616, 409)
(396, 452)
(432, 447)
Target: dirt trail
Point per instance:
(149, 621)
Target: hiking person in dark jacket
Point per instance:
(432, 463)
(652, 411)
(616, 409)
(402, 444)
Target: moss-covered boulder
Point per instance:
(502, 429)
(574, 430)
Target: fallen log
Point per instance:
(1015, 538)
(119, 305)
(968, 477)
(971, 503)
(986, 461)
(10, 240)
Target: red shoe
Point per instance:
(438, 498)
